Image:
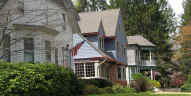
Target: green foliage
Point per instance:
(187, 12)
(141, 83)
(155, 83)
(121, 89)
(25, 79)
(187, 86)
(90, 5)
(100, 83)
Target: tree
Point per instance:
(90, 5)
(186, 17)
(153, 19)
(185, 40)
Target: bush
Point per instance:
(25, 79)
(155, 83)
(91, 89)
(141, 83)
(120, 89)
(187, 86)
(100, 83)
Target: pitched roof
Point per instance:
(139, 40)
(90, 21)
(102, 53)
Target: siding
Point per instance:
(121, 38)
(86, 50)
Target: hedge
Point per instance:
(25, 79)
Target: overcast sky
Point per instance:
(177, 7)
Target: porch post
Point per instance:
(151, 74)
(150, 54)
(97, 70)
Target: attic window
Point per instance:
(21, 5)
(101, 42)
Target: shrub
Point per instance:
(141, 83)
(108, 90)
(187, 86)
(91, 89)
(25, 79)
(120, 89)
(100, 83)
(155, 83)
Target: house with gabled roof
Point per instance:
(38, 30)
(140, 56)
(103, 54)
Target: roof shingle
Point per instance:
(139, 40)
(90, 21)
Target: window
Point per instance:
(85, 69)
(65, 56)
(119, 73)
(90, 70)
(6, 48)
(101, 42)
(28, 50)
(21, 5)
(124, 51)
(56, 55)
(48, 50)
(64, 21)
(118, 48)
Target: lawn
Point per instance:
(142, 94)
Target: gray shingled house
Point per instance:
(37, 30)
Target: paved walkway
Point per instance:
(172, 93)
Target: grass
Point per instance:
(142, 94)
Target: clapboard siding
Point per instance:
(86, 50)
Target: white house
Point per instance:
(38, 30)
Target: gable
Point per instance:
(86, 50)
(90, 21)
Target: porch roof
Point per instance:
(139, 40)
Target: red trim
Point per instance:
(90, 34)
(102, 58)
(110, 37)
(93, 58)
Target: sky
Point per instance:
(177, 7)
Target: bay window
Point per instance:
(85, 69)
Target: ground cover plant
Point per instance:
(26, 79)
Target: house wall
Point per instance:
(121, 38)
(39, 45)
(46, 13)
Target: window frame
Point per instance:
(87, 70)
(29, 50)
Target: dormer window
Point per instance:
(101, 42)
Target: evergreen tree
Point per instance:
(152, 19)
(90, 5)
(186, 17)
